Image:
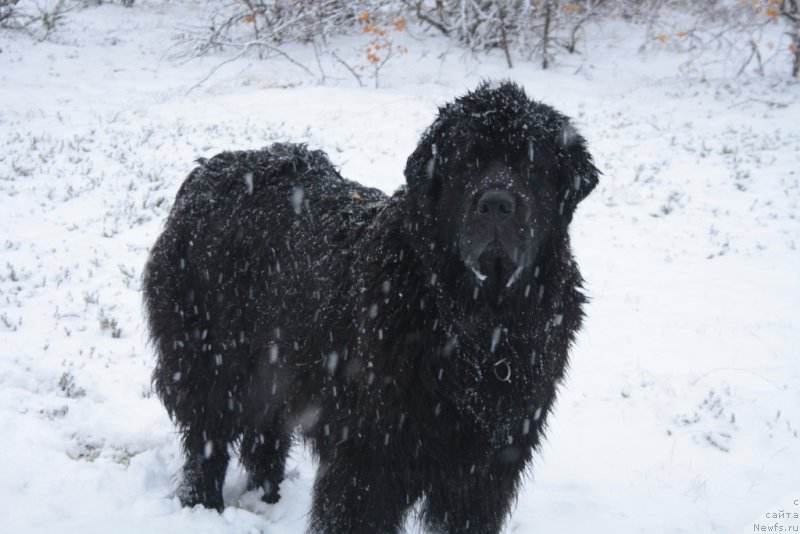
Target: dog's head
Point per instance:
(495, 176)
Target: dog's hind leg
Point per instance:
(263, 452)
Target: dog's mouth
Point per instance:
(496, 263)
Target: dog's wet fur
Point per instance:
(416, 341)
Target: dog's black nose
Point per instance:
(496, 205)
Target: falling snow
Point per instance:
(698, 201)
(496, 333)
(298, 195)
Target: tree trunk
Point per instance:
(546, 36)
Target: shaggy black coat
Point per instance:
(416, 341)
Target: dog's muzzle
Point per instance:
(493, 248)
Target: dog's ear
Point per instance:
(421, 164)
(579, 176)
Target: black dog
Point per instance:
(416, 341)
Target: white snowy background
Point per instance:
(681, 412)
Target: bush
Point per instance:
(526, 29)
(7, 11)
(271, 23)
(40, 19)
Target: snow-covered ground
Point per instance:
(681, 412)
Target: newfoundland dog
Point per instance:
(415, 341)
